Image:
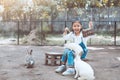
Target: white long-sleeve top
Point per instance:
(71, 37)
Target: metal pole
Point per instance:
(30, 18)
(18, 34)
(41, 31)
(115, 34)
(65, 27)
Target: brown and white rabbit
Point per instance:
(29, 59)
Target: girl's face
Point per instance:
(76, 27)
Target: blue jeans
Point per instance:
(85, 50)
(68, 56)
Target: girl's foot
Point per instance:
(60, 69)
(69, 71)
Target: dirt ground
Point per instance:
(105, 60)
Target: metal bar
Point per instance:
(115, 34)
(18, 34)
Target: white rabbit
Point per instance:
(83, 70)
(75, 47)
(29, 59)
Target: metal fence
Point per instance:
(50, 32)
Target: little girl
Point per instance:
(75, 36)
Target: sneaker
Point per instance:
(60, 69)
(69, 71)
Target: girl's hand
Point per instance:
(66, 30)
(90, 24)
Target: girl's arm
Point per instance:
(67, 34)
(89, 31)
(90, 25)
(66, 31)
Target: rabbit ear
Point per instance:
(27, 51)
(31, 52)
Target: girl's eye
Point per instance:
(76, 25)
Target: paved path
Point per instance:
(104, 60)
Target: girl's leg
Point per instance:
(85, 50)
(64, 56)
(70, 63)
(63, 59)
(70, 60)
(84, 54)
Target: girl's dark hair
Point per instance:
(76, 21)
